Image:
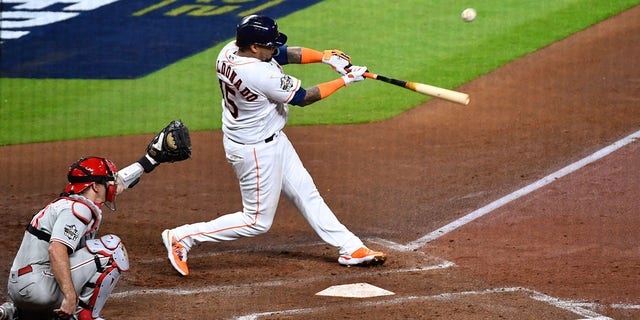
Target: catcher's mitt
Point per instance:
(171, 144)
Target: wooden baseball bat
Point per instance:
(454, 96)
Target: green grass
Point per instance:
(423, 41)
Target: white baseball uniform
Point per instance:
(255, 96)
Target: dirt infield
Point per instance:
(567, 250)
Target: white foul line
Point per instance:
(524, 191)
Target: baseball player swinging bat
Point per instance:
(454, 96)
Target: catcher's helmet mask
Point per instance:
(90, 170)
(260, 30)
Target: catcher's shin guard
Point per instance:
(111, 259)
(104, 285)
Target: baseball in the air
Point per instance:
(469, 14)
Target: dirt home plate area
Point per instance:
(522, 205)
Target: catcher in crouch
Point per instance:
(61, 269)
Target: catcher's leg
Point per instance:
(92, 300)
(111, 260)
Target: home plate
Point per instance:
(355, 290)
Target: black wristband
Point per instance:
(146, 164)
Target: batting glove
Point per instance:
(337, 59)
(355, 74)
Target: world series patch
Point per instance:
(286, 83)
(71, 232)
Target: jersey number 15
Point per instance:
(228, 93)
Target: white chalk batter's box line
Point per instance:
(577, 308)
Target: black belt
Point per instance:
(267, 140)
